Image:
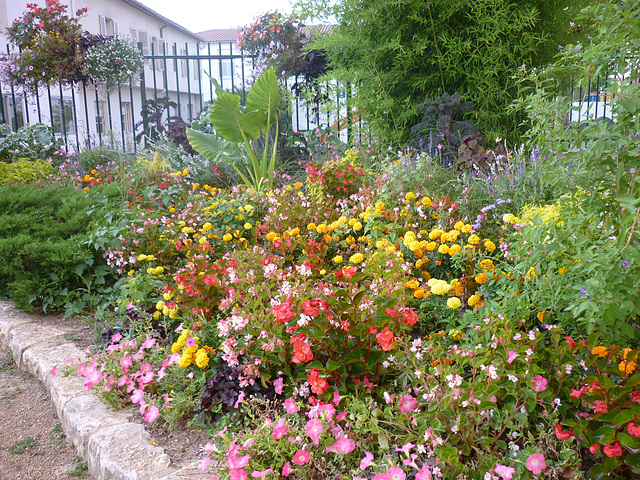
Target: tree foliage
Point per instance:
(401, 52)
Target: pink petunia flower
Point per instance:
(290, 406)
(343, 445)
(261, 474)
(539, 383)
(395, 473)
(314, 429)
(301, 457)
(280, 430)
(366, 461)
(286, 469)
(504, 471)
(237, 474)
(536, 463)
(408, 404)
(278, 384)
(424, 473)
(151, 414)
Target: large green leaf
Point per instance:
(231, 123)
(265, 96)
(214, 148)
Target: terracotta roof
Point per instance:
(232, 34)
(219, 35)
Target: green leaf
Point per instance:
(623, 417)
(264, 96)
(231, 123)
(632, 444)
(333, 365)
(604, 435)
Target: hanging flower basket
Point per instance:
(113, 62)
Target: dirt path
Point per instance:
(33, 445)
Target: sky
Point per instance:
(201, 15)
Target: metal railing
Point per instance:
(87, 115)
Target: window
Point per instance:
(108, 27)
(143, 38)
(125, 108)
(184, 63)
(102, 117)
(158, 50)
(63, 118)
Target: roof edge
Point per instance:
(162, 18)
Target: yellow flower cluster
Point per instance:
(146, 258)
(356, 258)
(439, 287)
(166, 311)
(155, 271)
(454, 303)
(474, 300)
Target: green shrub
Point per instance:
(45, 258)
(23, 170)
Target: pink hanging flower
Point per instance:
(536, 463)
(539, 383)
(511, 356)
(408, 404)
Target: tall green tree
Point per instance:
(400, 52)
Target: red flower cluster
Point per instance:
(301, 350)
(318, 384)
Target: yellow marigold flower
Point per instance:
(426, 201)
(435, 234)
(458, 226)
(467, 228)
(202, 359)
(328, 238)
(627, 367)
(173, 313)
(418, 293)
(172, 210)
(175, 348)
(445, 237)
(323, 272)
(297, 186)
(487, 265)
(195, 186)
(380, 206)
(207, 226)
(338, 259)
(440, 288)
(481, 278)
(295, 232)
(227, 237)
(454, 303)
(311, 226)
(453, 235)
(410, 196)
(185, 361)
(455, 334)
(156, 314)
(322, 228)
(600, 351)
(443, 249)
(352, 221)
(185, 172)
(271, 236)
(431, 246)
(412, 284)
(248, 226)
(391, 248)
(453, 249)
(626, 352)
(356, 258)
(357, 226)
(474, 239)
(474, 300)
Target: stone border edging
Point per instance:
(114, 447)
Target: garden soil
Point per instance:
(33, 445)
